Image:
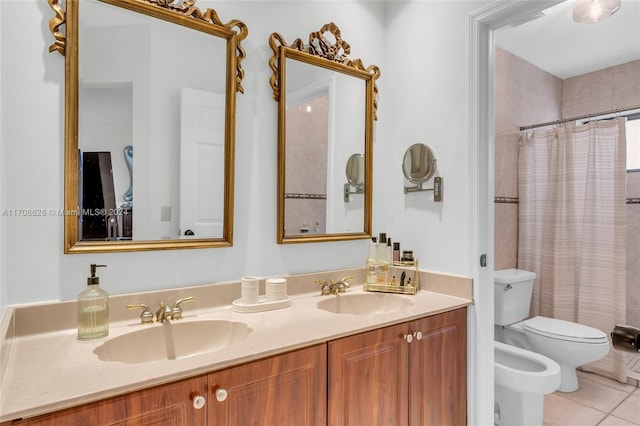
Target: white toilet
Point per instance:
(569, 344)
(522, 378)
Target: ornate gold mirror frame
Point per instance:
(325, 49)
(183, 13)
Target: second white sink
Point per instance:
(172, 341)
(364, 303)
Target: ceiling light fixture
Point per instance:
(590, 11)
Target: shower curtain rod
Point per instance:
(565, 120)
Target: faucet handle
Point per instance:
(176, 310)
(146, 317)
(345, 281)
(326, 288)
(340, 286)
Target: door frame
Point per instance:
(482, 24)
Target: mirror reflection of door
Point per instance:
(201, 164)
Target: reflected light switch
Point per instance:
(165, 213)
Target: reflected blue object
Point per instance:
(128, 158)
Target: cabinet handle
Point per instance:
(408, 338)
(417, 335)
(198, 401)
(221, 394)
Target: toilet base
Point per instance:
(569, 381)
(517, 408)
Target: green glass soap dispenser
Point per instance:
(93, 309)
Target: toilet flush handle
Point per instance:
(508, 287)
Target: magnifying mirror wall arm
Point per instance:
(437, 189)
(348, 192)
(419, 165)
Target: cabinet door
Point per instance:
(288, 389)
(368, 378)
(166, 405)
(438, 370)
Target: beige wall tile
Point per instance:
(588, 93)
(506, 165)
(506, 236)
(524, 93)
(626, 84)
(604, 90)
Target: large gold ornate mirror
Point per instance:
(326, 108)
(149, 123)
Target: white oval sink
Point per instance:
(173, 340)
(364, 303)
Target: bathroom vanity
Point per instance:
(401, 364)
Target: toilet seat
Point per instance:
(564, 330)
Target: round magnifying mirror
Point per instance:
(355, 170)
(419, 163)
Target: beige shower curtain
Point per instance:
(571, 185)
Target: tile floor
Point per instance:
(598, 401)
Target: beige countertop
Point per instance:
(48, 369)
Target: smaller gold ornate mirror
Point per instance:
(326, 108)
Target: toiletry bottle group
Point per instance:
(379, 260)
(93, 309)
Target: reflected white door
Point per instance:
(201, 164)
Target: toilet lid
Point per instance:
(564, 330)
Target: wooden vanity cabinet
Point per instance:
(412, 373)
(407, 374)
(287, 389)
(168, 405)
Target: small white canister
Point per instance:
(249, 290)
(276, 289)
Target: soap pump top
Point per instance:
(93, 279)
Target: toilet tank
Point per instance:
(512, 295)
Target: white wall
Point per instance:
(422, 50)
(424, 97)
(36, 270)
